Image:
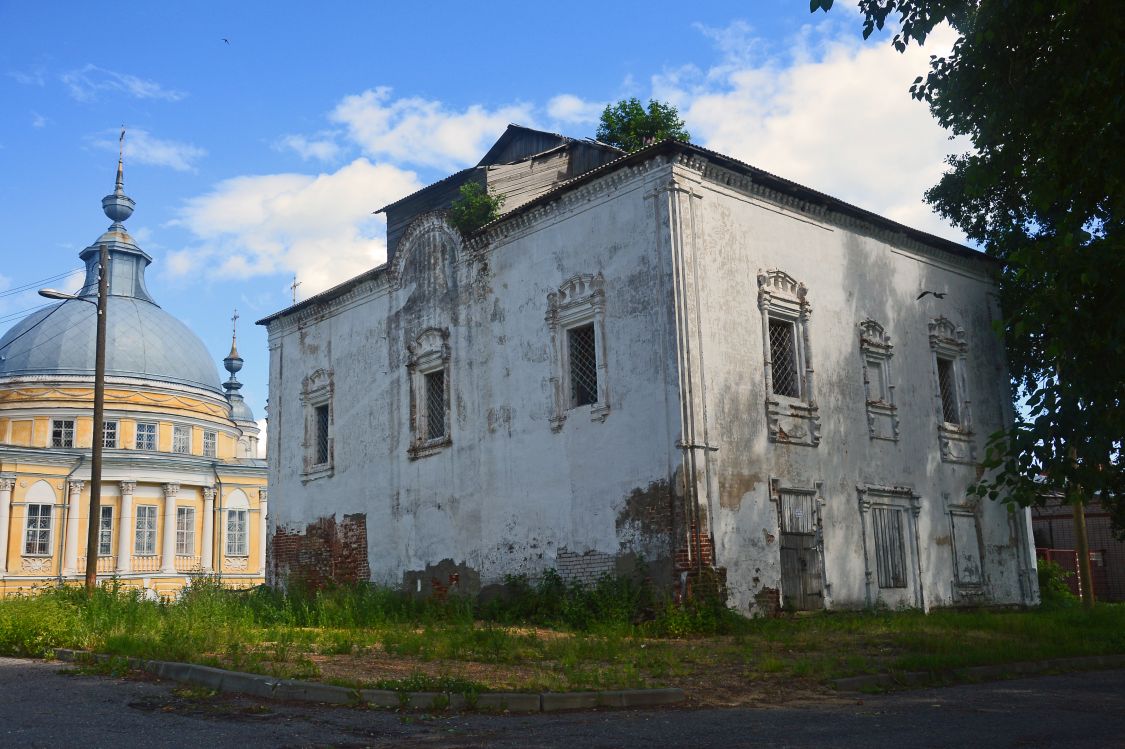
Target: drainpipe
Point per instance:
(66, 516)
(217, 524)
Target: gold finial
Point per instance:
(234, 335)
(121, 161)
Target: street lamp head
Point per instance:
(56, 294)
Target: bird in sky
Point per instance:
(226, 40)
(937, 294)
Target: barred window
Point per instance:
(890, 553)
(783, 358)
(210, 440)
(322, 434)
(185, 531)
(435, 404)
(583, 360)
(145, 539)
(62, 433)
(37, 538)
(236, 533)
(146, 435)
(105, 532)
(181, 439)
(947, 382)
(109, 434)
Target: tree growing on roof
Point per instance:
(629, 126)
(474, 208)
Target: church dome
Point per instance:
(142, 340)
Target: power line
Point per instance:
(23, 313)
(36, 325)
(35, 284)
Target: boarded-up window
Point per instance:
(798, 512)
(966, 549)
(890, 551)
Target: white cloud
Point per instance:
(568, 109)
(142, 147)
(34, 77)
(320, 228)
(88, 82)
(833, 114)
(38, 120)
(423, 132)
(321, 148)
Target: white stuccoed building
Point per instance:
(668, 357)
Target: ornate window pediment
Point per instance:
(791, 410)
(576, 319)
(320, 442)
(951, 402)
(876, 354)
(428, 367)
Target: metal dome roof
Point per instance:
(142, 339)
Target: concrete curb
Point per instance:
(257, 685)
(977, 673)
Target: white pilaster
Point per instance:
(263, 529)
(168, 560)
(70, 551)
(207, 555)
(126, 527)
(6, 484)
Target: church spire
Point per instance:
(233, 362)
(118, 207)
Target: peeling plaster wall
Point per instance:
(680, 249)
(851, 274)
(509, 491)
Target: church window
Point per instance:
(146, 435)
(185, 531)
(105, 532)
(793, 416)
(319, 443)
(236, 533)
(951, 403)
(145, 540)
(428, 367)
(181, 439)
(876, 353)
(109, 434)
(576, 321)
(210, 439)
(37, 537)
(947, 385)
(62, 433)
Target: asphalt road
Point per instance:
(42, 706)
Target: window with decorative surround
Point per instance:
(37, 532)
(579, 377)
(319, 443)
(146, 435)
(237, 530)
(878, 383)
(62, 433)
(791, 409)
(951, 402)
(428, 369)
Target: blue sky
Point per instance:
(259, 159)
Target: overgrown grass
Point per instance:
(542, 635)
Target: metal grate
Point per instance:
(583, 359)
(146, 436)
(435, 404)
(321, 435)
(950, 411)
(783, 357)
(62, 433)
(890, 555)
(181, 439)
(210, 444)
(109, 434)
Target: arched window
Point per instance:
(238, 524)
(39, 522)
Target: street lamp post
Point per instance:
(99, 414)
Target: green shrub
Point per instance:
(474, 208)
(1053, 590)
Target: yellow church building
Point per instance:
(183, 491)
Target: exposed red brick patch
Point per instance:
(326, 553)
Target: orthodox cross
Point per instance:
(293, 287)
(234, 324)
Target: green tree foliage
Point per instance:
(629, 126)
(474, 208)
(1038, 86)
